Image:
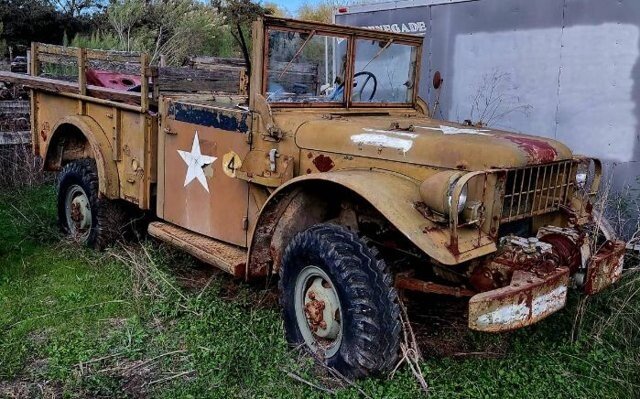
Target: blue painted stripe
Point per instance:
(230, 121)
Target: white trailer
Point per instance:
(566, 69)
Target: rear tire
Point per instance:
(329, 275)
(83, 214)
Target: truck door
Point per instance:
(204, 144)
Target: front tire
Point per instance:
(83, 214)
(338, 300)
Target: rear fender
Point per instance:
(101, 151)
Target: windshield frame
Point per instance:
(351, 34)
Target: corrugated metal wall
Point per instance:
(566, 69)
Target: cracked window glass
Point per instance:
(384, 72)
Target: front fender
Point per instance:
(394, 196)
(100, 146)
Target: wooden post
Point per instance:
(35, 62)
(156, 80)
(33, 119)
(82, 73)
(28, 62)
(144, 82)
(244, 83)
(155, 83)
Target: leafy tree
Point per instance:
(184, 27)
(275, 10)
(97, 40)
(319, 11)
(239, 14)
(123, 15)
(75, 8)
(29, 20)
(322, 11)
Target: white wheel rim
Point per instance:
(318, 311)
(78, 213)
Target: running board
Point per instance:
(227, 257)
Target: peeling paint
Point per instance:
(504, 315)
(516, 313)
(539, 151)
(323, 163)
(392, 132)
(218, 118)
(605, 267)
(549, 302)
(383, 140)
(457, 130)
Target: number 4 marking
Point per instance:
(231, 162)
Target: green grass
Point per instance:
(148, 321)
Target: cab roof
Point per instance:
(278, 22)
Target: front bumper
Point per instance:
(530, 298)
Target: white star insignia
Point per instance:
(456, 130)
(195, 163)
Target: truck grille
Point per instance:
(536, 190)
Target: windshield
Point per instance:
(309, 67)
(300, 66)
(384, 72)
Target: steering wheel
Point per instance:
(369, 77)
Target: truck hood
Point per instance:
(429, 142)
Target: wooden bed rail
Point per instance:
(49, 53)
(209, 75)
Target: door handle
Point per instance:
(168, 130)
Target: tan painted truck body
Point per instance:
(232, 178)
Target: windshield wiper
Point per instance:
(286, 68)
(386, 46)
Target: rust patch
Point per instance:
(437, 80)
(314, 312)
(44, 133)
(412, 284)
(589, 207)
(605, 267)
(453, 247)
(565, 251)
(323, 163)
(527, 300)
(539, 151)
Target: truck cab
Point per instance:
(327, 170)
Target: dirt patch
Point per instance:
(196, 278)
(440, 326)
(117, 322)
(39, 337)
(134, 377)
(137, 378)
(22, 390)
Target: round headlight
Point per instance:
(581, 179)
(437, 191)
(462, 201)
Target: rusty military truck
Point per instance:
(338, 182)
